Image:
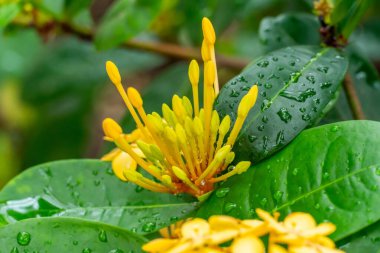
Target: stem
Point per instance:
(353, 99)
(166, 49)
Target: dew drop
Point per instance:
(263, 64)
(278, 195)
(284, 115)
(234, 93)
(260, 128)
(266, 104)
(317, 206)
(149, 227)
(138, 188)
(228, 207)
(260, 75)
(75, 243)
(295, 171)
(302, 109)
(325, 175)
(306, 117)
(102, 236)
(263, 202)
(116, 251)
(86, 250)
(222, 192)
(323, 69)
(310, 78)
(264, 119)
(109, 171)
(335, 129)
(252, 138)
(23, 238)
(14, 250)
(377, 171)
(325, 85)
(280, 137)
(268, 86)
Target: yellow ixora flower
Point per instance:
(299, 233)
(186, 148)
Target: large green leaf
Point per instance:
(67, 235)
(366, 240)
(295, 86)
(284, 30)
(124, 20)
(88, 189)
(8, 12)
(332, 172)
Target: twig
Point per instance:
(353, 99)
(166, 49)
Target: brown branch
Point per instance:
(352, 97)
(166, 49)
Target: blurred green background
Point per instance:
(54, 91)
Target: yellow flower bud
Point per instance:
(215, 120)
(222, 153)
(208, 31)
(194, 72)
(113, 72)
(225, 125)
(209, 73)
(247, 243)
(242, 167)
(111, 128)
(248, 101)
(181, 134)
(205, 51)
(187, 105)
(135, 97)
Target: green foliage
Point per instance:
(7, 13)
(88, 189)
(124, 20)
(67, 235)
(331, 171)
(366, 240)
(295, 86)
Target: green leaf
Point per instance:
(7, 13)
(88, 189)
(366, 240)
(295, 86)
(124, 20)
(331, 172)
(285, 30)
(67, 235)
(73, 7)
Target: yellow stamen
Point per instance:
(111, 128)
(181, 134)
(240, 168)
(113, 72)
(194, 80)
(167, 181)
(144, 182)
(183, 177)
(205, 51)
(214, 165)
(178, 108)
(199, 133)
(190, 132)
(187, 105)
(172, 138)
(246, 103)
(223, 130)
(208, 31)
(169, 115)
(214, 130)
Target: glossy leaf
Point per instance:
(124, 20)
(88, 189)
(295, 86)
(289, 30)
(8, 12)
(67, 235)
(366, 240)
(331, 171)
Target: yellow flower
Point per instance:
(186, 148)
(298, 233)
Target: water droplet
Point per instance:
(295, 171)
(149, 227)
(268, 86)
(299, 96)
(263, 202)
(109, 171)
(96, 182)
(310, 78)
(86, 250)
(260, 75)
(377, 171)
(95, 172)
(234, 93)
(23, 238)
(266, 104)
(265, 142)
(280, 68)
(242, 79)
(222, 192)
(263, 64)
(306, 117)
(323, 69)
(102, 236)
(116, 251)
(274, 58)
(264, 119)
(284, 115)
(302, 109)
(260, 128)
(174, 219)
(280, 137)
(278, 195)
(325, 175)
(228, 207)
(14, 250)
(317, 206)
(138, 188)
(292, 63)
(252, 138)
(263, 94)
(295, 76)
(334, 128)
(75, 243)
(325, 85)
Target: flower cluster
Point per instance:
(298, 233)
(186, 148)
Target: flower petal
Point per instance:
(247, 244)
(299, 221)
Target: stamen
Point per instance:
(183, 177)
(194, 80)
(214, 165)
(239, 168)
(199, 133)
(111, 128)
(246, 103)
(205, 51)
(169, 115)
(114, 75)
(144, 182)
(214, 130)
(187, 105)
(181, 134)
(223, 130)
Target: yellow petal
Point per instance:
(220, 222)
(159, 245)
(273, 223)
(322, 229)
(274, 248)
(299, 221)
(222, 236)
(196, 228)
(303, 249)
(247, 244)
(111, 155)
(121, 163)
